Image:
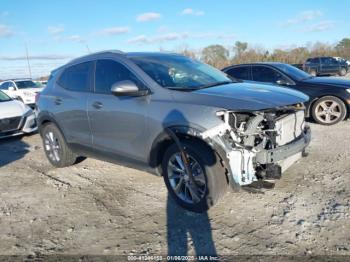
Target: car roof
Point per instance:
(16, 79)
(254, 63)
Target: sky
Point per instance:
(55, 32)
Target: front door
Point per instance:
(118, 124)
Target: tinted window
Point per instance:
(292, 71)
(108, 72)
(77, 77)
(4, 97)
(312, 60)
(242, 72)
(26, 84)
(266, 74)
(4, 86)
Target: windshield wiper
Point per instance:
(215, 84)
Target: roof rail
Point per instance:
(96, 53)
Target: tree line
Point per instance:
(220, 56)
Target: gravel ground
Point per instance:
(98, 208)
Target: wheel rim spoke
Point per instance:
(180, 182)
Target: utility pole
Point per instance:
(88, 49)
(30, 71)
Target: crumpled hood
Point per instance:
(329, 81)
(12, 108)
(244, 96)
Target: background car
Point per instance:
(24, 90)
(325, 66)
(329, 97)
(15, 117)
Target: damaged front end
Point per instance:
(260, 145)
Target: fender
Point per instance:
(163, 140)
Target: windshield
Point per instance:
(4, 97)
(26, 84)
(293, 72)
(179, 72)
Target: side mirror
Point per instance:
(11, 88)
(283, 82)
(127, 88)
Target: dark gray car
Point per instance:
(175, 117)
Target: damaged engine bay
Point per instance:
(261, 145)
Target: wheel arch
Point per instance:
(163, 141)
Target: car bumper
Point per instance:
(281, 153)
(27, 125)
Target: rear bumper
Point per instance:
(273, 156)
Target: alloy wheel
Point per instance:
(52, 146)
(188, 191)
(328, 111)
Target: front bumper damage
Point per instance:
(263, 146)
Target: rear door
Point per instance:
(329, 65)
(240, 72)
(265, 74)
(118, 124)
(69, 102)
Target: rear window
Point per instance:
(77, 78)
(242, 72)
(26, 84)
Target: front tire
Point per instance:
(313, 72)
(56, 149)
(329, 110)
(210, 182)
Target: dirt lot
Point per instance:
(99, 208)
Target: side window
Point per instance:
(108, 72)
(266, 74)
(242, 72)
(326, 60)
(77, 77)
(4, 86)
(10, 84)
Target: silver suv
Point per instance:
(175, 117)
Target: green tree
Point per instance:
(215, 55)
(240, 47)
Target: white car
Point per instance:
(24, 90)
(16, 118)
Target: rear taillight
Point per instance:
(37, 96)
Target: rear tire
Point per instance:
(206, 168)
(342, 72)
(56, 149)
(328, 110)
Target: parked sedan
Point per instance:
(15, 117)
(329, 97)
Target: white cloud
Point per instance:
(75, 38)
(138, 40)
(35, 57)
(321, 26)
(190, 11)
(55, 30)
(143, 39)
(175, 36)
(148, 17)
(5, 31)
(114, 30)
(303, 17)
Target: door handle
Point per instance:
(97, 105)
(58, 101)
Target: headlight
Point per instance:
(348, 90)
